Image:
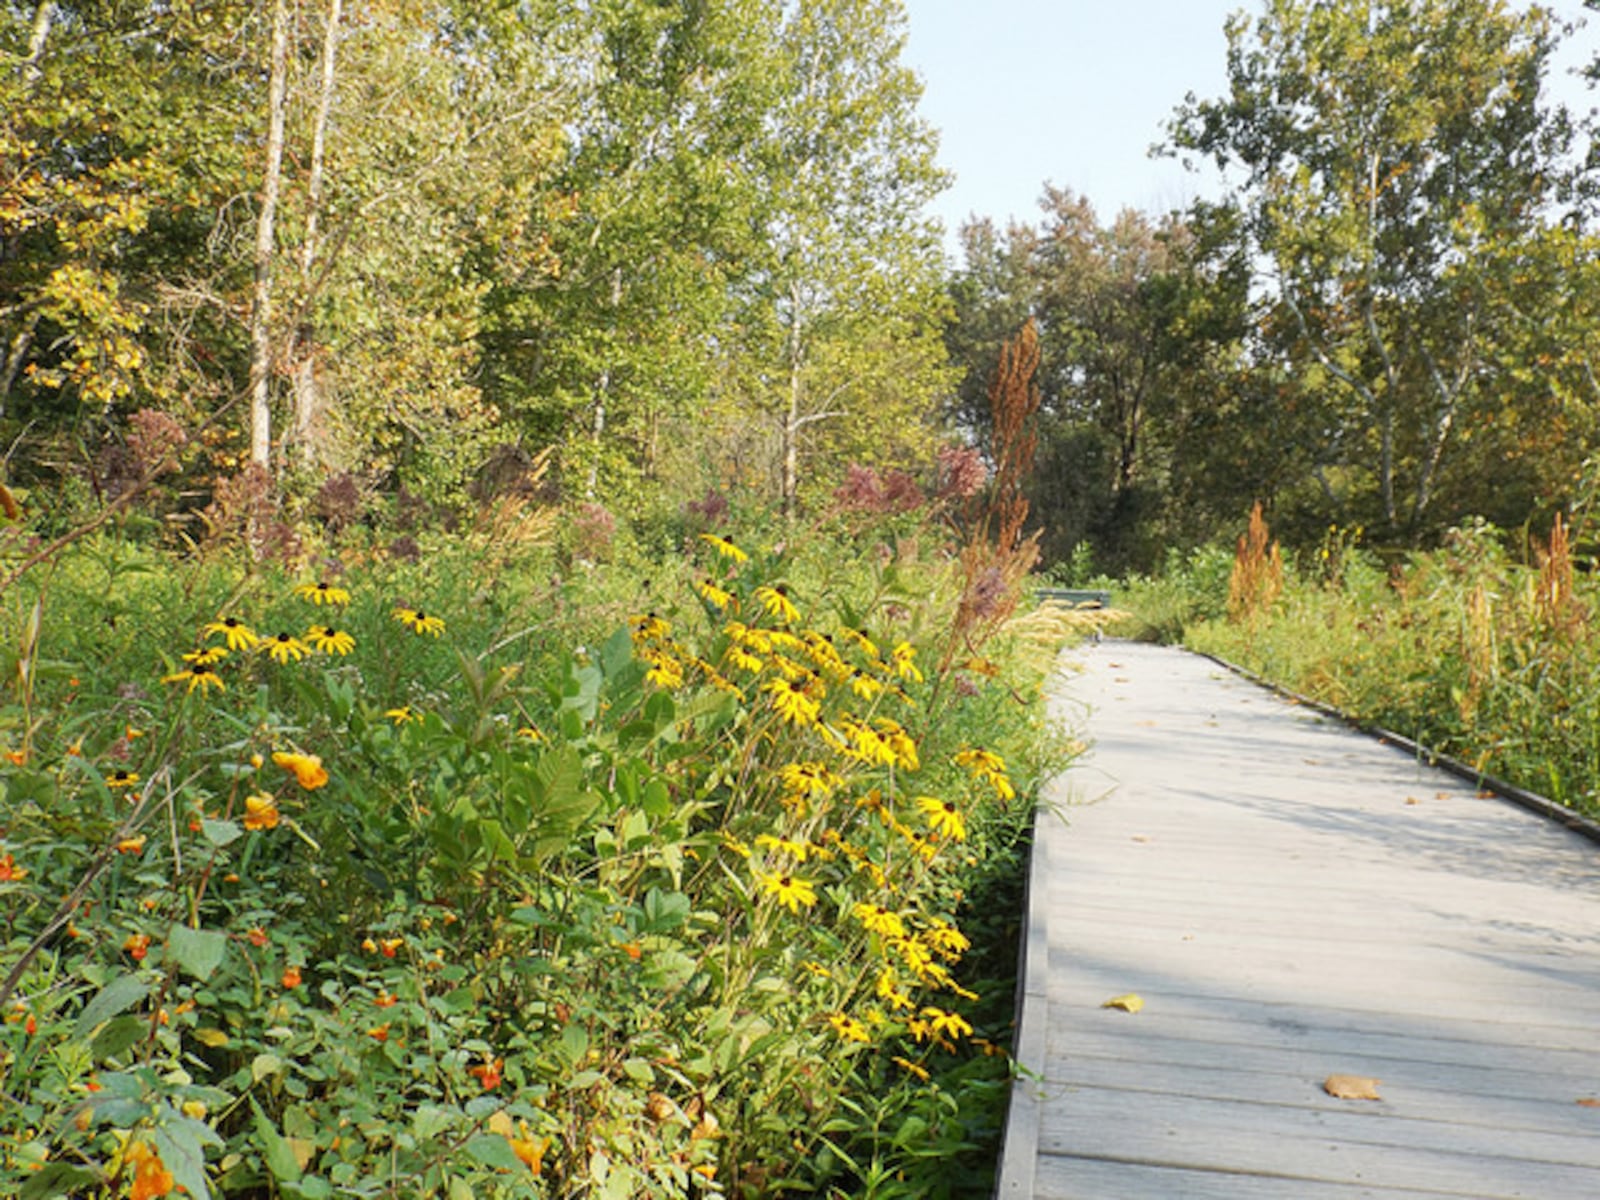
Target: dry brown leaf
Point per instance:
(1141, 837)
(1412, 800)
(1132, 1002)
(1352, 1087)
(1441, 795)
(1590, 1102)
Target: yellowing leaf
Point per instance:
(1352, 1087)
(211, 1037)
(501, 1123)
(1132, 1002)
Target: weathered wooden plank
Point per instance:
(1336, 1147)
(1293, 900)
(1062, 1178)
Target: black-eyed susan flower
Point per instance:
(739, 657)
(774, 598)
(202, 675)
(946, 1024)
(718, 597)
(307, 769)
(911, 1068)
(848, 1028)
(904, 659)
(943, 817)
(403, 715)
(792, 891)
(238, 635)
(121, 777)
(784, 846)
(898, 741)
(891, 993)
(208, 656)
(418, 621)
(724, 547)
(261, 812)
(647, 627)
(875, 918)
(792, 703)
(665, 671)
(945, 938)
(282, 647)
(323, 593)
(330, 640)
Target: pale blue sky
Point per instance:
(1075, 91)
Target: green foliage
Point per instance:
(404, 880)
(1463, 649)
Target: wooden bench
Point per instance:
(1075, 597)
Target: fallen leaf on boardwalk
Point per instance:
(1141, 837)
(1412, 800)
(1441, 795)
(1590, 1102)
(1132, 1002)
(1352, 1087)
(1145, 724)
(1121, 679)
(1312, 762)
(1486, 794)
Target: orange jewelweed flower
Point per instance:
(261, 812)
(17, 758)
(291, 977)
(137, 945)
(384, 1000)
(388, 946)
(379, 1033)
(257, 937)
(488, 1073)
(10, 872)
(307, 768)
(132, 845)
(151, 1179)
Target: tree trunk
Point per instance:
(601, 391)
(261, 298)
(305, 335)
(43, 17)
(790, 484)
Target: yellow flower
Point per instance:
(904, 657)
(401, 715)
(10, 872)
(648, 628)
(207, 657)
(946, 1024)
(418, 621)
(899, 742)
(791, 891)
(791, 703)
(200, 675)
(795, 850)
(889, 989)
(775, 599)
(330, 640)
(946, 938)
(865, 685)
(533, 735)
(665, 671)
(877, 919)
(322, 593)
(720, 598)
(745, 661)
(815, 968)
(916, 1069)
(281, 647)
(132, 845)
(151, 1179)
(943, 818)
(725, 547)
(261, 812)
(980, 761)
(812, 779)
(239, 635)
(121, 777)
(848, 1028)
(308, 769)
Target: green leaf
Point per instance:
(116, 1036)
(664, 910)
(275, 1150)
(58, 1179)
(657, 801)
(181, 1152)
(220, 833)
(492, 1150)
(197, 951)
(121, 993)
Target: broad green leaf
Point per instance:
(197, 951)
(121, 993)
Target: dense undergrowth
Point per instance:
(481, 870)
(1464, 649)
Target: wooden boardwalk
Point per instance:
(1293, 900)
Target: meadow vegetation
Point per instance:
(1483, 649)
(462, 864)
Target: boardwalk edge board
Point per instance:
(1506, 790)
(1019, 1150)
